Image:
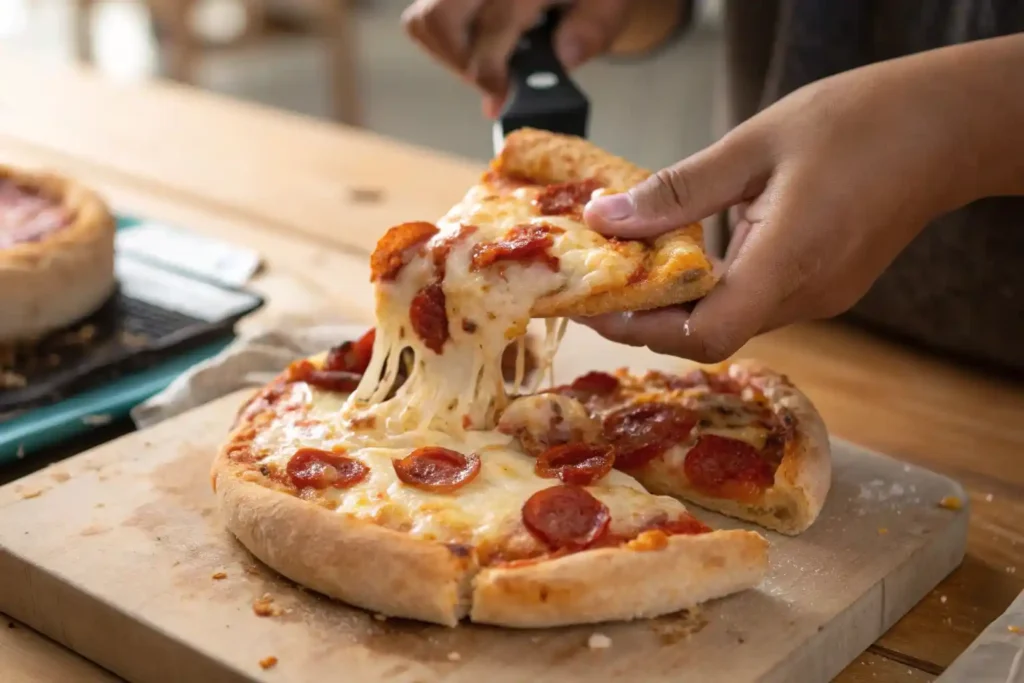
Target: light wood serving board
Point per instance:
(113, 553)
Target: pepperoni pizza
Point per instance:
(420, 472)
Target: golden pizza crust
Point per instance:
(391, 573)
(620, 584)
(547, 157)
(802, 480)
(363, 564)
(63, 277)
(676, 269)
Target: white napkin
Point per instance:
(997, 655)
(250, 361)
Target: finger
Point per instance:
(588, 29)
(731, 170)
(496, 30)
(759, 291)
(657, 329)
(443, 28)
(492, 105)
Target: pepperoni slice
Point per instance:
(566, 198)
(314, 468)
(429, 317)
(640, 433)
(330, 380)
(595, 384)
(352, 356)
(396, 247)
(728, 468)
(566, 516)
(575, 463)
(437, 469)
(522, 244)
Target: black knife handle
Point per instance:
(541, 93)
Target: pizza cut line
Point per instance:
(422, 472)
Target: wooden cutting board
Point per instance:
(113, 553)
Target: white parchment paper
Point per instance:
(250, 361)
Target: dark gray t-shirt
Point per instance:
(959, 287)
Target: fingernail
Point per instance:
(616, 207)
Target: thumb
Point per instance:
(731, 170)
(588, 29)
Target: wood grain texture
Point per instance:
(286, 186)
(337, 186)
(137, 562)
(29, 658)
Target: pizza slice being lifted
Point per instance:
(453, 293)
(386, 473)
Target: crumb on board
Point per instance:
(12, 380)
(217, 576)
(942, 599)
(599, 641)
(268, 662)
(265, 607)
(380, 617)
(454, 656)
(60, 476)
(1011, 570)
(1015, 629)
(31, 493)
(989, 497)
(951, 503)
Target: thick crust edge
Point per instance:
(802, 480)
(615, 584)
(66, 276)
(358, 562)
(677, 269)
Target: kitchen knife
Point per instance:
(541, 94)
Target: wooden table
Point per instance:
(313, 198)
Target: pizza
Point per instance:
(421, 471)
(736, 438)
(442, 527)
(56, 253)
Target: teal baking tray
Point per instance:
(38, 428)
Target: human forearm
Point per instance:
(983, 99)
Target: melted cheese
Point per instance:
(463, 386)
(487, 509)
(452, 399)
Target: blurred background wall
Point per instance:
(653, 105)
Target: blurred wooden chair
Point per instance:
(182, 48)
